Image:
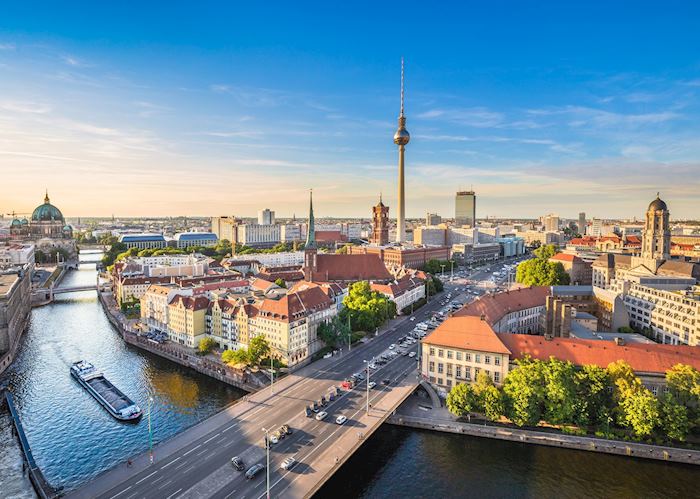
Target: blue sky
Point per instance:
(209, 108)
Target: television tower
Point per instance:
(401, 138)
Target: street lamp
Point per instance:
(367, 386)
(442, 266)
(349, 334)
(150, 432)
(267, 450)
(452, 270)
(272, 376)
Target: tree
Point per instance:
(332, 333)
(493, 402)
(593, 403)
(560, 391)
(535, 244)
(206, 345)
(461, 400)
(541, 272)
(367, 309)
(280, 282)
(258, 349)
(683, 382)
(524, 391)
(434, 266)
(546, 252)
(675, 421)
(640, 412)
(235, 356)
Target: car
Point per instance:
(412, 354)
(307, 412)
(323, 401)
(321, 416)
(237, 463)
(340, 419)
(315, 407)
(392, 346)
(412, 319)
(254, 470)
(386, 381)
(373, 366)
(372, 384)
(284, 430)
(274, 438)
(288, 463)
(331, 396)
(404, 352)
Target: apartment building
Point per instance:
(187, 319)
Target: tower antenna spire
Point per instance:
(402, 86)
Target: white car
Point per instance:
(412, 354)
(321, 416)
(392, 346)
(340, 419)
(288, 463)
(371, 385)
(274, 439)
(412, 319)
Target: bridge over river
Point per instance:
(197, 462)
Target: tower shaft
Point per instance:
(401, 215)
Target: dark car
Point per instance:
(307, 412)
(285, 429)
(237, 463)
(386, 381)
(254, 470)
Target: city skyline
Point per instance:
(104, 117)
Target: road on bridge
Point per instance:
(197, 463)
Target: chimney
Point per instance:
(619, 341)
(548, 337)
(482, 317)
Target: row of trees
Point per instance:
(609, 401)
(539, 271)
(434, 266)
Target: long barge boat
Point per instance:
(109, 396)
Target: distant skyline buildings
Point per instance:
(159, 122)
(465, 208)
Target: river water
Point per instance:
(74, 439)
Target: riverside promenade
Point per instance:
(419, 412)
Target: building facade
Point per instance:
(465, 208)
(380, 224)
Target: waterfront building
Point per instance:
(465, 208)
(380, 224)
(15, 305)
(189, 239)
(154, 304)
(401, 139)
(46, 222)
(143, 241)
(461, 347)
(432, 219)
(225, 228)
(266, 217)
(187, 319)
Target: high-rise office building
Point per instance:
(465, 208)
(266, 217)
(582, 223)
(551, 222)
(433, 219)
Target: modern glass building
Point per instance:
(465, 208)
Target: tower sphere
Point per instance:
(402, 137)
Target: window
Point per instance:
(431, 367)
(440, 368)
(449, 369)
(459, 355)
(449, 382)
(497, 376)
(487, 359)
(477, 358)
(458, 372)
(449, 354)
(497, 360)
(468, 357)
(476, 372)
(432, 351)
(441, 353)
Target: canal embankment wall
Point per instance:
(42, 487)
(589, 444)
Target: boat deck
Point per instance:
(107, 391)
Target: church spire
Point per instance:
(46, 197)
(310, 230)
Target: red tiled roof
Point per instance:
(632, 239)
(565, 257)
(495, 307)
(329, 236)
(469, 333)
(398, 287)
(190, 302)
(350, 268)
(648, 358)
(295, 305)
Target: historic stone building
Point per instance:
(380, 224)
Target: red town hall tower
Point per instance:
(380, 224)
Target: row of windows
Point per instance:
(467, 356)
(456, 371)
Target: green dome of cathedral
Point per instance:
(47, 212)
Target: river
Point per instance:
(74, 439)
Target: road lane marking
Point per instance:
(212, 438)
(174, 493)
(192, 449)
(171, 462)
(232, 492)
(165, 484)
(146, 477)
(120, 493)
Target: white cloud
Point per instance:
(25, 107)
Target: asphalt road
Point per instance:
(203, 469)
